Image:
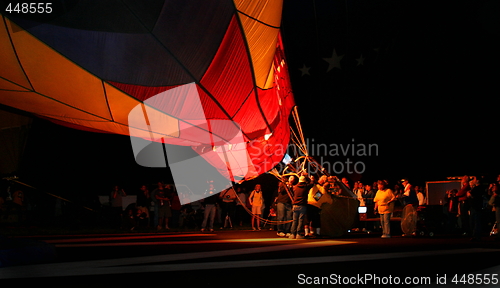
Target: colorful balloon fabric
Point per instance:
(207, 74)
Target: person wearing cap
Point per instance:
(410, 199)
(409, 194)
(299, 206)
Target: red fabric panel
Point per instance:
(252, 123)
(268, 100)
(283, 79)
(262, 155)
(191, 134)
(177, 101)
(276, 104)
(229, 78)
(140, 92)
(267, 154)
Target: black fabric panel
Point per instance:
(193, 30)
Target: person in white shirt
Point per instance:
(420, 195)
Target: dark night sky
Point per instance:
(416, 78)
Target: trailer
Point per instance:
(436, 190)
(426, 220)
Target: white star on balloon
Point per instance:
(360, 60)
(305, 70)
(334, 61)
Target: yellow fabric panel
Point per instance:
(121, 104)
(268, 12)
(10, 68)
(261, 41)
(53, 75)
(6, 85)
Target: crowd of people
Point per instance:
(300, 200)
(473, 207)
(160, 208)
(295, 208)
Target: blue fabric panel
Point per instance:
(121, 47)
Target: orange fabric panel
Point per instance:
(104, 126)
(271, 77)
(52, 74)
(261, 37)
(268, 12)
(261, 41)
(6, 85)
(10, 68)
(121, 104)
(35, 103)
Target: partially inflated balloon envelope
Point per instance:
(210, 75)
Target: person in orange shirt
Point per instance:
(384, 205)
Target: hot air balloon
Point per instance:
(207, 74)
